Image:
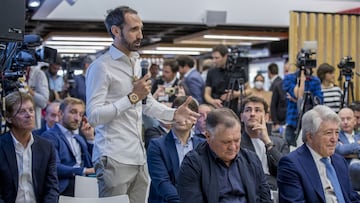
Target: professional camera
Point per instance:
(237, 64)
(16, 56)
(305, 62)
(346, 65)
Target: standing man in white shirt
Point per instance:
(115, 90)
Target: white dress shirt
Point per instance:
(118, 123)
(25, 188)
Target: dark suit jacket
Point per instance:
(273, 155)
(278, 102)
(44, 177)
(153, 132)
(65, 159)
(197, 180)
(163, 162)
(40, 130)
(344, 148)
(299, 179)
(194, 86)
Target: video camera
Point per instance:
(16, 56)
(237, 64)
(304, 61)
(346, 65)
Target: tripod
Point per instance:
(307, 103)
(235, 82)
(348, 91)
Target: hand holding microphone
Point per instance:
(144, 70)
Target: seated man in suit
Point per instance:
(72, 150)
(313, 172)
(219, 170)
(349, 144)
(155, 132)
(28, 162)
(255, 137)
(165, 155)
(51, 117)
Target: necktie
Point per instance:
(331, 174)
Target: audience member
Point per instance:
(255, 137)
(114, 91)
(51, 117)
(200, 125)
(313, 172)
(295, 84)
(332, 94)
(206, 65)
(72, 150)
(56, 82)
(28, 162)
(192, 81)
(165, 154)
(154, 72)
(155, 132)
(259, 90)
(78, 89)
(349, 144)
(38, 88)
(164, 88)
(278, 98)
(219, 170)
(355, 106)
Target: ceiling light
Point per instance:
(94, 39)
(170, 52)
(237, 37)
(34, 3)
(184, 49)
(87, 51)
(82, 43)
(79, 47)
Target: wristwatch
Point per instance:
(133, 97)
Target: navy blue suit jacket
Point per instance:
(194, 86)
(44, 177)
(198, 180)
(163, 162)
(344, 148)
(65, 159)
(299, 179)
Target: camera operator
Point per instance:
(295, 84)
(217, 81)
(56, 82)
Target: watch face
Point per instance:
(134, 98)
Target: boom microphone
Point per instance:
(144, 70)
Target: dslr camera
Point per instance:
(305, 61)
(346, 65)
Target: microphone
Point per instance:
(144, 70)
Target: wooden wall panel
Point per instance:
(337, 35)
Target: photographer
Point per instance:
(295, 84)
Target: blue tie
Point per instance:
(331, 174)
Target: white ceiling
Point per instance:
(239, 12)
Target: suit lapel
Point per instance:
(85, 156)
(10, 154)
(63, 137)
(342, 137)
(36, 153)
(310, 169)
(246, 142)
(171, 148)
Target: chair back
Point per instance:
(113, 199)
(86, 187)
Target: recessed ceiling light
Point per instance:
(184, 49)
(170, 52)
(34, 3)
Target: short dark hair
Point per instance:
(184, 60)
(117, 17)
(259, 75)
(273, 68)
(355, 106)
(70, 101)
(255, 99)
(222, 49)
(193, 105)
(172, 63)
(323, 69)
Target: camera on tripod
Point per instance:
(17, 56)
(305, 61)
(346, 65)
(236, 64)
